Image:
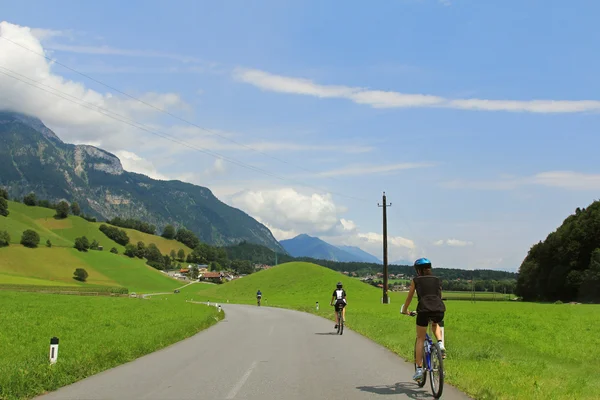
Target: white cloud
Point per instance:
(72, 122)
(134, 163)
(288, 209)
(372, 242)
(453, 243)
(45, 34)
(389, 99)
(108, 50)
(356, 170)
(219, 168)
(215, 139)
(568, 180)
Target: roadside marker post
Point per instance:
(317, 306)
(53, 350)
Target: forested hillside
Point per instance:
(565, 266)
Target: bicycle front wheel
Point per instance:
(437, 371)
(422, 382)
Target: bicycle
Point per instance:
(340, 327)
(431, 355)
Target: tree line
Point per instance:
(566, 265)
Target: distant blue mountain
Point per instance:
(361, 255)
(308, 246)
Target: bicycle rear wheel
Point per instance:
(424, 380)
(437, 371)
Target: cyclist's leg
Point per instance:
(437, 321)
(422, 322)
(337, 320)
(344, 312)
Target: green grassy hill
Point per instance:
(62, 233)
(55, 266)
(296, 284)
(496, 350)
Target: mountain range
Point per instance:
(34, 159)
(309, 246)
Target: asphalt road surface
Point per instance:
(261, 353)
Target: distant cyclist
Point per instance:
(339, 296)
(430, 308)
(258, 296)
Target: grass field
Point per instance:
(95, 334)
(55, 266)
(164, 245)
(62, 233)
(478, 296)
(496, 350)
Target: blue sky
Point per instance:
(478, 119)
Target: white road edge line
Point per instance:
(241, 382)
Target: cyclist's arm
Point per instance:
(411, 292)
(331, 302)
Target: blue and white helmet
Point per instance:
(422, 263)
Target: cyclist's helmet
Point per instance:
(422, 263)
(339, 285)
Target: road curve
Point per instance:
(260, 353)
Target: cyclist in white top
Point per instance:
(339, 296)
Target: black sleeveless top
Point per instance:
(429, 293)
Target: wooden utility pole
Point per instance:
(385, 254)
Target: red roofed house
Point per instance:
(212, 276)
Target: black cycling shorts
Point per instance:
(339, 305)
(423, 318)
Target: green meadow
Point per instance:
(54, 266)
(96, 333)
(496, 350)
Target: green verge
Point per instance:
(496, 350)
(96, 333)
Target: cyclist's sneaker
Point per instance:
(335, 327)
(418, 375)
(443, 349)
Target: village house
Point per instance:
(215, 277)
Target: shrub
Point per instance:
(30, 238)
(75, 209)
(114, 250)
(48, 243)
(116, 234)
(62, 210)
(169, 232)
(4, 207)
(4, 239)
(82, 243)
(80, 274)
(130, 250)
(30, 199)
(95, 245)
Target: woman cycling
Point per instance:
(430, 308)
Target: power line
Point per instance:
(160, 109)
(140, 126)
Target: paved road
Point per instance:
(261, 353)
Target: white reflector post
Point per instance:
(53, 350)
(317, 306)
